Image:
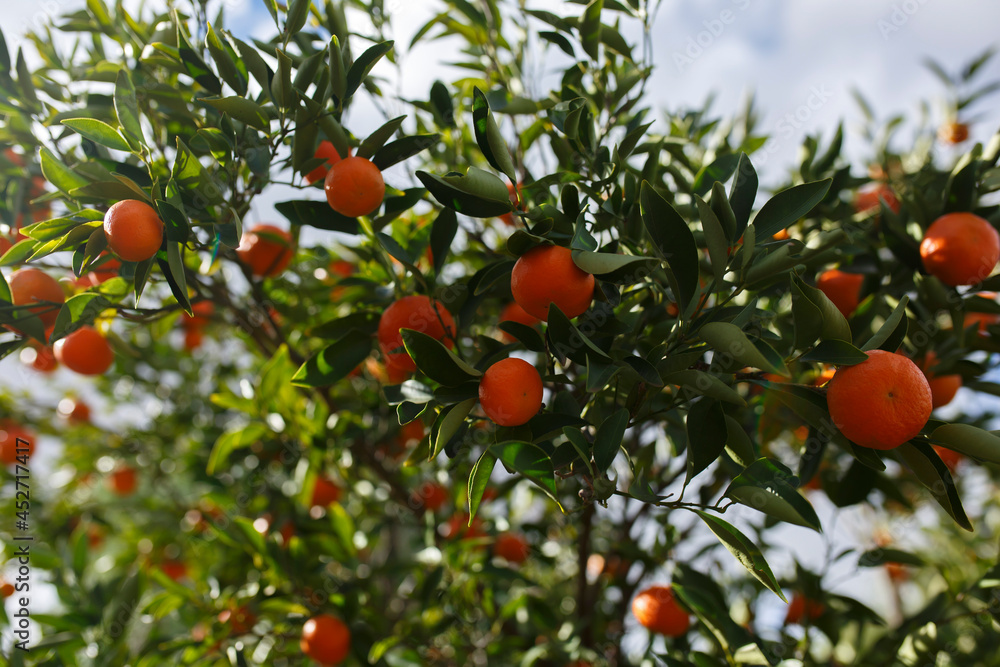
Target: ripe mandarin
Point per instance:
(266, 249)
(800, 608)
(510, 392)
(327, 151)
(546, 274)
(514, 313)
(881, 402)
(511, 547)
(515, 198)
(656, 609)
(953, 132)
(28, 286)
(412, 312)
(85, 352)
(326, 639)
(843, 289)
(943, 387)
(960, 249)
(982, 320)
(123, 480)
(354, 187)
(134, 230)
(431, 496)
(324, 493)
(870, 198)
(10, 432)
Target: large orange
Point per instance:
(327, 151)
(510, 392)
(85, 351)
(412, 312)
(656, 609)
(266, 249)
(881, 402)
(29, 286)
(960, 249)
(843, 289)
(354, 187)
(10, 432)
(546, 274)
(869, 198)
(514, 313)
(943, 387)
(326, 639)
(134, 230)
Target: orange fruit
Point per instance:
(515, 198)
(326, 639)
(325, 150)
(510, 392)
(44, 360)
(240, 619)
(175, 569)
(411, 432)
(823, 378)
(546, 274)
(949, 457)
(960, 249)
(85, 351)
(943, 387)
(106, 269)
(342, 268)
(266, 249)
(28, 286)
(881, 402)
(354, 187)
(75, 411)
(5, 245)
(123, 480)
(431, 496)
(511, 547)
(458, 526)
(514, 313)
(800, 607)
(134, 230)
(953, 133)
(412, 312)
(982, 320)
(324, 493)
(869, 198)
(6, 589)
(656, 609)
(843, 289)
(783, 235)
(10, 432)
(897, 572)
(193, 339)
(202, 315)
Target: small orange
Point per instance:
(512, 547)
(193, 338)
(85, 351)
(324, 493)
(949, 457)
(953, 132)
(44, 360)
(175, 569)
(134, 230)
(515, 198)
(782, 235)
(74, 410)
(28, 286)
(342, 268)
(897, 572)
(943, 387)
(5, 245)
(843, 289)
(431, 496)
(870, 197)
(123, 480)
(546, 274)
(800, 608)
(10, 433)
(960, 249)
(239, 619)
(106, 268)
(510, 392)
(325, 150)
(514, 313)
(982, 320)
(411, 432)
(6, 589)
(458, 526)
(326, 639)
(656, 609)
(354, 187)
(881, 402)
(412, 312)
(266, 249)
(202, 315)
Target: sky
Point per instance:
(801, 59)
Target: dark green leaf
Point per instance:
(707, 436)
(673, 239)
(335, 361)
(788, 206)
(745, 551)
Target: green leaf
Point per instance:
(478, 193)
(195, 66)
(673, 239)
(888, 328)
(729, 340)
(532, 462)
(443, 231)
(788, 206)
(233, 439)
(738, 443)
(614, 267)
(827, 320)
(743, 193)
(317, 214)
(255, 64)
(488, 136)
(448, 423)
(242, 110)
(566, 340)
(374, 141)
(835, 352)
(479, 479)
(590, 28)
(298, 14)
(609, 439)
(364, 64)
(335, 361)
(931, 471)
(232, 70)
(98, 131)
(715, 239)
(707, 436)
(969, 440)
(765, 488)
(435, 360)
(704, 384)
(719, 171)
(338, 73)
(403, 149)
(745, 551)
(882, 556)
(57, 173)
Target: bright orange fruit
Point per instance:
(843, 289)
(656, 609)
(85, 352)
(510, 392)
(546, 274)
(354, 187)
(412, 312)
(134, 230)
(10, 431)
(325, 150)
(512, 547)
(28, 286)
(960, 249)
(326, 639)
(266, 249)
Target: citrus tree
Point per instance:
(525, 376)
